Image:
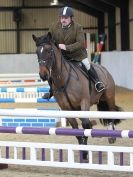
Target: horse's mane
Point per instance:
(41, 40)
(44, 39)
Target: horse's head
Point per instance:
(45, 55)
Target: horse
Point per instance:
(71, 88)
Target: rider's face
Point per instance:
(65, 20)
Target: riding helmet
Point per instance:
(66, 11)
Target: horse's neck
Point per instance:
(60, 68)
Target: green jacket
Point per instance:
(73, 37)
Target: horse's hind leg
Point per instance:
(109, 105)
(113, 122)
(103, 106)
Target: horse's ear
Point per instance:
(34, 37)
(49, 36)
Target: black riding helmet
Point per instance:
(66, 11)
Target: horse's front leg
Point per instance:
(86, 124)
(74, 124)
(81, 139)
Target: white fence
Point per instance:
(21, 80)
(99, 157)
(110, 152)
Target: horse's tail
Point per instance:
(103, 106)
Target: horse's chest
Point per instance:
(66, 101)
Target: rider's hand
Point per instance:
(62, 46)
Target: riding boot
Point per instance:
(49, 94)
(99, 86)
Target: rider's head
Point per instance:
(66, 14)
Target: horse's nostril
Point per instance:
(44, 78)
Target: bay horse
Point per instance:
(71, 88)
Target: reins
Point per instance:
(50, 68)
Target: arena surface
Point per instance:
(124, 99)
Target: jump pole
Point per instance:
(68, 132)
(67, 114)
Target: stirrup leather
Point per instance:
(96, 84)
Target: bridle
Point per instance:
(43, 60)
(52, 57)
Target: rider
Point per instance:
(70, 38)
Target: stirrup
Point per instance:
(99, 90)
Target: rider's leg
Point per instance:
(93, 75)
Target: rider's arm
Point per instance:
(80, 39)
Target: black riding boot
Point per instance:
(99, 86)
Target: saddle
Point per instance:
(90, 74)
(78, 64)
(81, 67)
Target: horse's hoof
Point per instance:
(111, 140)
(83, 140)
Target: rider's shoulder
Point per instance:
(77, 26)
